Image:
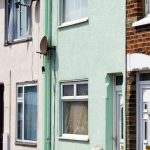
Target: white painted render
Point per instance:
(137, 62)
(25, 65)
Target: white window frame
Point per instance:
(21, 100)
(64, 24)
(7, 25)
(73, 98)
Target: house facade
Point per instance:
(138, 75)
(20, 76)
(85, 78)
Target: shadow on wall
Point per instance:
(37, 12)
(2, 4)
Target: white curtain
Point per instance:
(30, 113)
(10, 25)
(74, 9)
(75, 118)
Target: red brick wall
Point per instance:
(138, 38)
(138, 41)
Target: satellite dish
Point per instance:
(28, 3)
(44, 45)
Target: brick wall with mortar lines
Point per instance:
(138, 38)
(131, 111)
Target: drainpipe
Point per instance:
(47, 78)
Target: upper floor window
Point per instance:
(147, 7)
(18, 21)
(74, 10)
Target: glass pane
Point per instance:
(145, 106)
(75, 118)
(144, 76)
(74, 9)
(20, 115)
(68, 90)
(122, 123)
(20, 91)
(25, 20)
(119, 80)
(30, 113)
(82, 89)
(145, 130)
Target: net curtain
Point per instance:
(74, 9)
(30, 113)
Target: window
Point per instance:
(74, 96)
(27, 113)
(74, 10)
(18, 21)
(147, 7)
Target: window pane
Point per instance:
(145, 130)
(20, 115)
(82, 89)
(74, 9)
(68, 90)
(75, 119)
(144, 76)
(25, 20)
(122, 123)
(30, 113)
(20, 91)
(119, 80)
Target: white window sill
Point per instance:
(73, 22)
(143, 21)
(74, 137)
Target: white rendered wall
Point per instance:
(25, 65)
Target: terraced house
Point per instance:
(138, 75)
(20, 76)
(84, 92)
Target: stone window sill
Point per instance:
(26, 144)
(18, 41)
(143, 21)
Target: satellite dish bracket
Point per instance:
(18, 3)
(49, 48)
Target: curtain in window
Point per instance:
(75, 118)
(74, 9)
(10, 22)
(30, 113)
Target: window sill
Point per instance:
(25, 144)
(18, 41)
(73, 22)
(143, 21)
(74, 137)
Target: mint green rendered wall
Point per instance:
(93, 50)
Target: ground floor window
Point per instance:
(27, 112)
(74, 96)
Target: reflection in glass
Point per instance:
(122, 123)
(68, 90)
(20, 116)
(145, 130)
(144, 76)
(82, 89)
(30, 113)
(20, 91)
(119, 80)
(75, 118)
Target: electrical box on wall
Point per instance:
(97, 148)
(5, 141)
